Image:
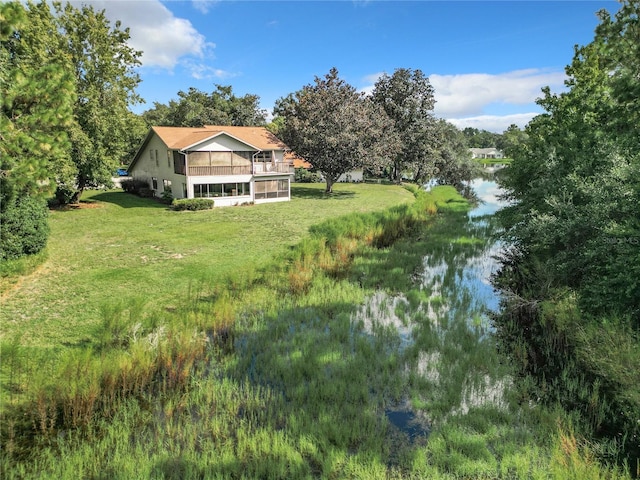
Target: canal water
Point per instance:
(446, 339)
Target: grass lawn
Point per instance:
(119, 247)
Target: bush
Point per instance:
(302, 175)
(134, 185)
(24, 227)
(167, 197)
(192, 204)
(65, 194)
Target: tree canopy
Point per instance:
(571, 279)
(407, 98)
(105, 81)
(195, 108)
(336, 128)
(36, 110)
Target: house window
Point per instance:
(169, 158)
(271, 189)
(156, 157)
(185, 193)
(266, 156)
(166, 185)
(221, 190)
(179, 164)
(154, 183)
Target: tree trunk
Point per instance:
(329, 184)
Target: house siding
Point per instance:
(147, 168)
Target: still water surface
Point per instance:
(446, 339)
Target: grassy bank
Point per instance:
(274, 373)
(119, 247)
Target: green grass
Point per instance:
(125, 247)
(301, 389)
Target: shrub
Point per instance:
(24, 227)
(65, 194)
(167, 197)
(302, 175)
(134, 185)
(192, 204)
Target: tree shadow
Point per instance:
(128, 200)
(319, 193)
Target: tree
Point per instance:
(336, 129)
(407, 97)
(105, 81)
(195, 108)
(36, 99)
(452, 158)
(512, 139)
(570, 280)
(481, 138)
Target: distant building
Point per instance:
(486, 153)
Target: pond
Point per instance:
(446, 339)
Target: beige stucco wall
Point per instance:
(146, 168)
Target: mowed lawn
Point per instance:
(121, 248)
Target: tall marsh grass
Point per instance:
(268, 375)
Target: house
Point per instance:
(486, 153)
(232, 165)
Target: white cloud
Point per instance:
(203, 6)
(466, 99)
(493, 123)
(470, 94)
(163, 38)
(200, 71)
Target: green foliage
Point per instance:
(192, 204)
(481, 138)
(134, 185)
(103, 65)
(196, 108)
(23, 227)
(37, 94)
(302, 175)
(571, 277)
(336, 128)
(407, 98)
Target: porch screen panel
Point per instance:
(266, 189)
(220, 159)
(241, 158)
(198, 159)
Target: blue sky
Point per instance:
(486, 60)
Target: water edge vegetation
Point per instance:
(267, 375)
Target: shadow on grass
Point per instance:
(128, 200)
(319, 193)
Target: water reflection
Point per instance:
(446, 340)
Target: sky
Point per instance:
(487, 60)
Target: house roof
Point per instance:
(181, 138)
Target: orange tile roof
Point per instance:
(183, 137)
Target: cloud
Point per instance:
(493, 123)
(163, 38)
(200, 71)
(468, 100)
(470, 94)
(203, 6)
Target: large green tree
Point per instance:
(571, 279)
(407, 97)
(103, 66)
(451, 159)
(195, 108)
(336, 128)
(36, 111)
